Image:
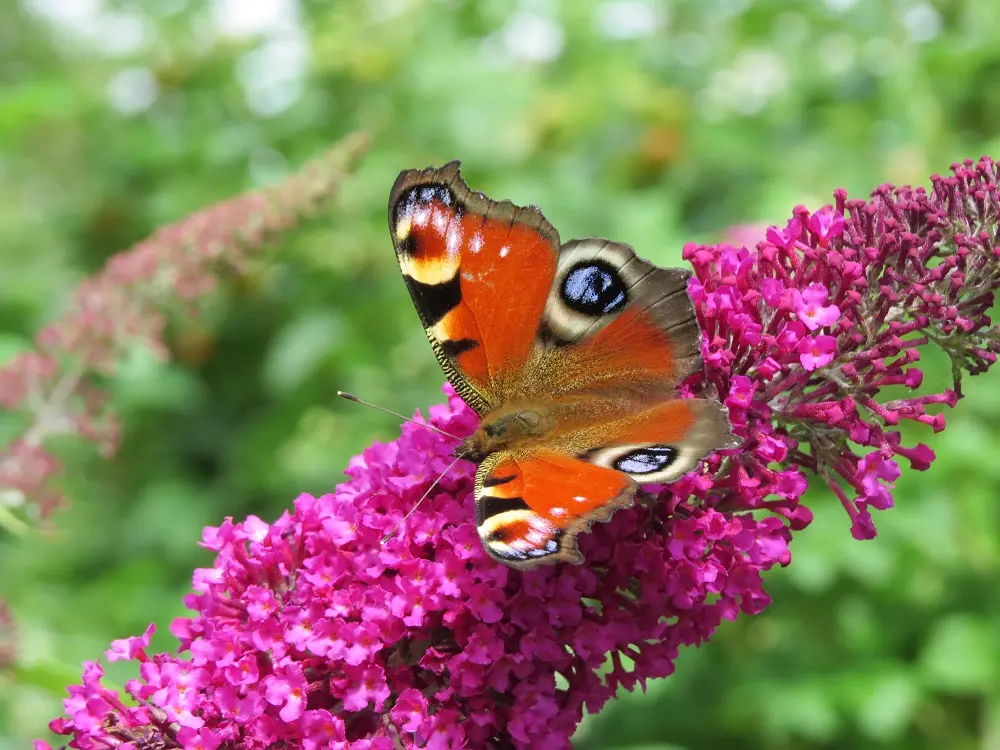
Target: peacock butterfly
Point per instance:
(569, 352)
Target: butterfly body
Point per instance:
(518, 426)
(570, 353)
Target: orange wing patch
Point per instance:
(479, 273)
(530, 507)
(630, 350)
(505, 284)
(670, 423)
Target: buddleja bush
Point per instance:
(307, 632)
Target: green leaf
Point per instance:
(297, 351)
(9, 520)
(50, 676)
(11, 346)
(891, 701)
(961, 654)
(144, 381)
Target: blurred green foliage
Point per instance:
(649, 122)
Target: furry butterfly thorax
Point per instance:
(570, 353)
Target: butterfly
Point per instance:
(569, 352)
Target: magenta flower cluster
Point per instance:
(826, 314)
(309, 633)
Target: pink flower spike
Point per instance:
(260, 602)
(826, 224)
(365, 687)
(255, 529)
(816, 352)
(862, 526)
(198, 739)
(323, 731)
(811, 308)
(126, 649)
(410, 710)
(287, 690)
(877, 475)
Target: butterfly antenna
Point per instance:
(355, 399)
(423, 497)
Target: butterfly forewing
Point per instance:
(479, 273)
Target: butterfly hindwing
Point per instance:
(531, 505)
(479, 272)
(658, 444)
